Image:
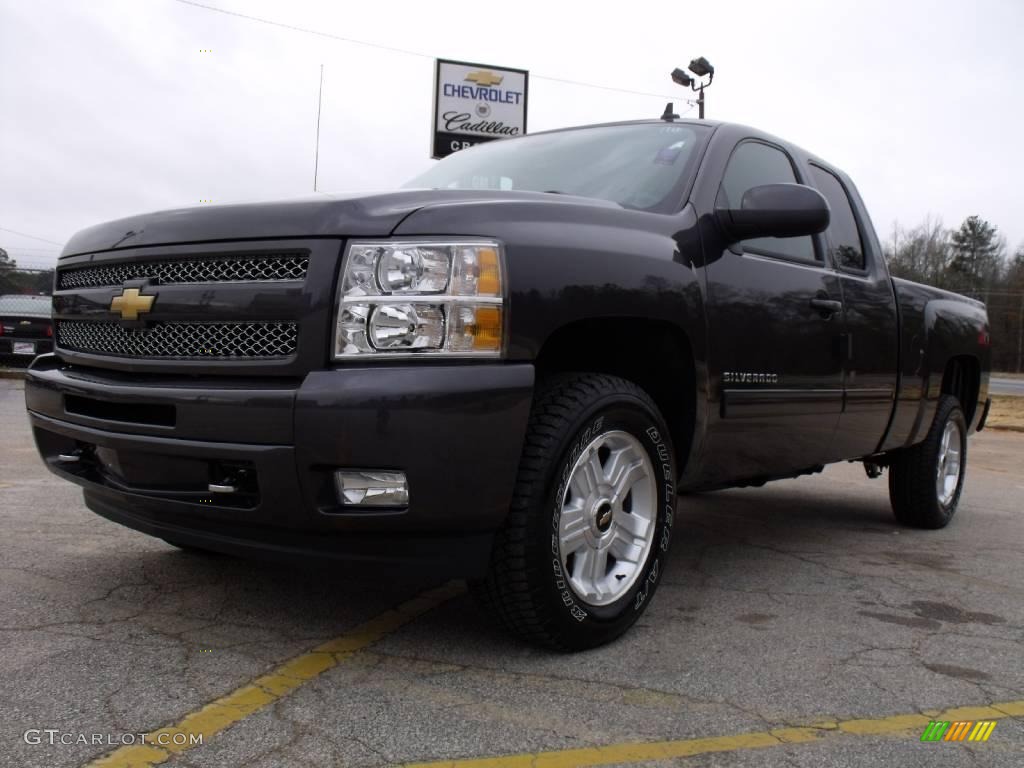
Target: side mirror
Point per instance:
(775, 210)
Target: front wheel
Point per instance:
(925, 480)
(588, 530)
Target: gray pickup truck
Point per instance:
(509, 369)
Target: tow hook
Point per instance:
(873, 469)
(230, 480)
(79, 455)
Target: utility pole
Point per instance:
(319, 103)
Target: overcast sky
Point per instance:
(109, 108)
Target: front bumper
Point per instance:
(148, 447)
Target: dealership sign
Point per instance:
(474, 103)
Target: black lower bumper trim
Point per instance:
(464, 556)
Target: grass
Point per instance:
(1007, 413)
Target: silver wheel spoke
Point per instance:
(625, 549)
(634, 525)
(629, 476)
(617, 463)
(594, 470)
(580, 485)
(598, 565)
(573, 527)
(580, 577)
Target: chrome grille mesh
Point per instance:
(285, 266)
(180, 340)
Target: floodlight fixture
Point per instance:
(679, 77)
(701, 67)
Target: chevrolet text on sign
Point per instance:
(474, 103)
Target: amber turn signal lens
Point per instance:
(488, 329)
(489, 282)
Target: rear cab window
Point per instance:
(845, 243)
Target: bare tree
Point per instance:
(922, 253)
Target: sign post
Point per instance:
(474, 103)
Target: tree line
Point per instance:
(972, 260)
(15, 280)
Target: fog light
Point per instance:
(371, 488)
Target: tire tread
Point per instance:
(912, 475)
(509, 591)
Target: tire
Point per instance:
(548, 581)
(914, 473)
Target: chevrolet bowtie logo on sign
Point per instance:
(131, 303)
(943, 730)
(475, 103)
(484, 77)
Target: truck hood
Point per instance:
(324, 215)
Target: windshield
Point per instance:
(14, 304)
(638, 166)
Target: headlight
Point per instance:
(426, 297)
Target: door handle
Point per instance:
(827, 307)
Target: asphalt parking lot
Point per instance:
(796, 625)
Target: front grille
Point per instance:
(180, 340)
(213, 269)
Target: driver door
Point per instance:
(775, 325)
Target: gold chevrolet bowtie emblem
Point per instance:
(131, 303)
(484, 77)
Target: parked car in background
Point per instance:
(26, 329)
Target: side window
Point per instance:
(751, 165)
(847, 248)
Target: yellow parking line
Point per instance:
(637, 752)
(224, 712)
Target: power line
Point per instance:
(33, 237)
(409, 52)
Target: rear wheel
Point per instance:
(925, 481)
(584, 545)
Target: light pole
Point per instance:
(1020, 334)
(700, 67)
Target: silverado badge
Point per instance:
(131, 303)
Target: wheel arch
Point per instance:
(962, 379)
(654, 354)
